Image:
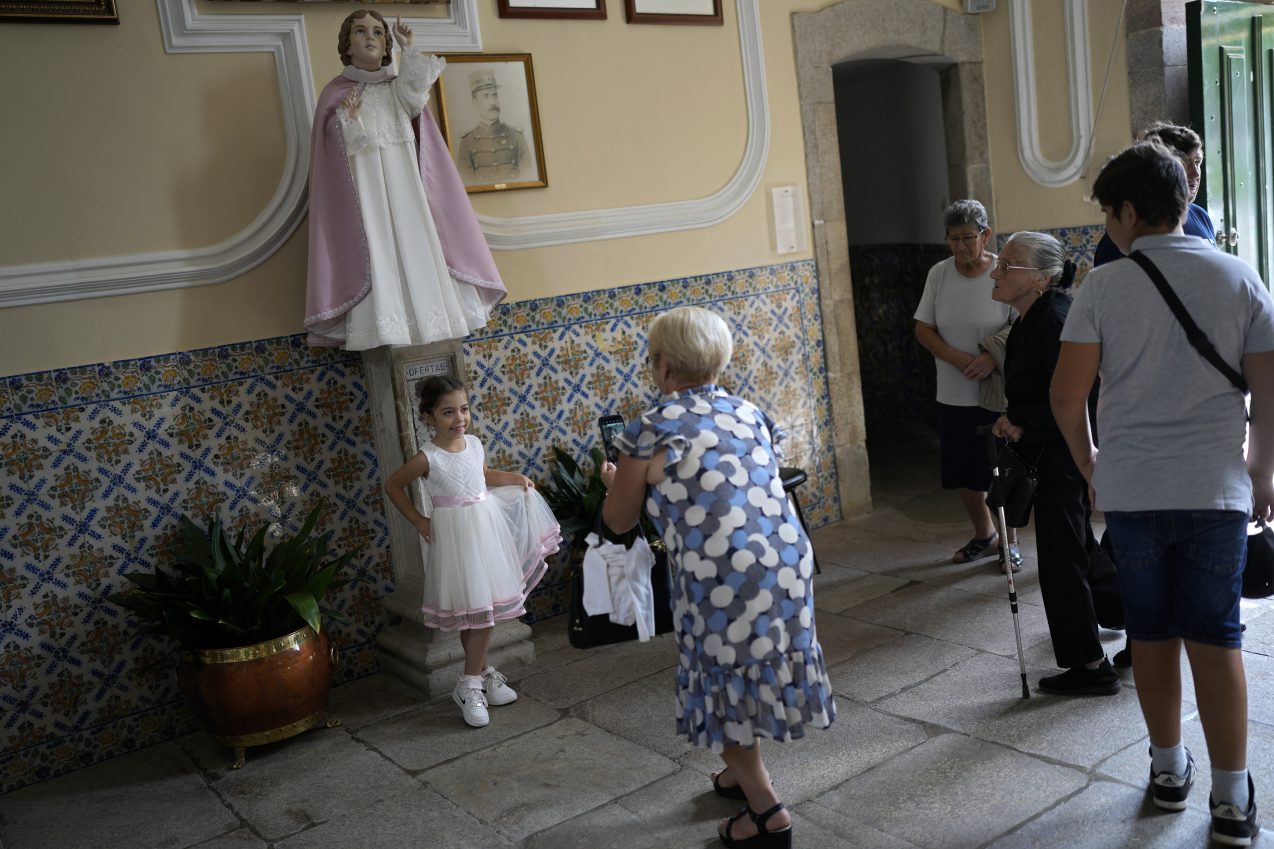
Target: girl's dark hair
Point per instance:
(347, 26)
(429, 390)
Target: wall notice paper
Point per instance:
(788, 235)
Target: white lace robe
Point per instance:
(414, 299)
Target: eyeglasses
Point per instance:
(964, 240)
(1002, 266)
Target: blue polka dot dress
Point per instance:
(750, 663)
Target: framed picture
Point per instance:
(60, 11)
(706, 12)
(488, 115)
(594, 9)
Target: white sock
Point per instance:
(474, 681)
(1169, 759)
(1230, 786)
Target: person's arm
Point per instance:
(625, 492)
(494, 477)
(1258, 369)
(931, 340)
(396, 489)
(1077, 367)
(1036, 417)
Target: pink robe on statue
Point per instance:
(340, 266)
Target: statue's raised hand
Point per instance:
(353, 102)
(402, 32)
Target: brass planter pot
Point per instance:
(259, 694)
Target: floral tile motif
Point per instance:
(98, 462)
(1080, 244)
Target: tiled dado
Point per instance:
(1080, 243)
(97, 463)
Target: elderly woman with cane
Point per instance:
(705, 465)
(1032, 276)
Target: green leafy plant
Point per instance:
(575, 495)
(228, 592)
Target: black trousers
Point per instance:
(1076, 577)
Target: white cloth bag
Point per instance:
(617, 582)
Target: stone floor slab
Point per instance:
(418, 817)
(857, 834)
(643, 712)
(982, 697)
(434, 734)
(242, 838)
(956, 616)
(842, 637)
(546, 776)
(894, 666)
(1131, 765)
(156, 795)
(1106, 815)
(373, 699)
(599, 671)
(309, 779)
(850, 593)
(858, 740)
(950, 792)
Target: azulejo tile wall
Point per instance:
(97, 463)
(543, 371)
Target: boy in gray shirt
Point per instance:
(1171, 475)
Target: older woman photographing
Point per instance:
(705, 465)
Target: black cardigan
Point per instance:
(1029, 360)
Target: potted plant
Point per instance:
(255, 663)
(575, 495)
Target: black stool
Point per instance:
(792, 478)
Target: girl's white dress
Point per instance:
(487, 546)
(414, 299)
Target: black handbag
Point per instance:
(1258, 572)
(586, 632)
(1013, 486)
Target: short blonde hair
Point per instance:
(695, 342)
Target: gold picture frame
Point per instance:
(489, 116)
(59, 11)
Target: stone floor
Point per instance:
(934, 746)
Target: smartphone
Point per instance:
(611, 427)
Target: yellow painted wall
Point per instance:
(126, 149)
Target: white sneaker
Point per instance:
(498, 690)
(473, 704)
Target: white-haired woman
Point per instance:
(705, 464)
(1076, 579)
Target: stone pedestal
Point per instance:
(423, 657)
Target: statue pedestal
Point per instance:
(426, 658)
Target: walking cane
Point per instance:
(993, 453)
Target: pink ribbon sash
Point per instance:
(457, 500)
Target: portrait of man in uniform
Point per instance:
(490, 122)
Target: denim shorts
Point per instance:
(1181, 573)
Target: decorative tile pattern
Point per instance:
(97, 463)
(1080, 244)
(543, 372)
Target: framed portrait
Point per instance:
(488, 114)
(59, 11)
(705, 12)
(591, 9)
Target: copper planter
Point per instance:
(259, 694)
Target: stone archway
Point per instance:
(849, 30)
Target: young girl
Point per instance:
(485, 553)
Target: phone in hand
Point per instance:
(611, 427)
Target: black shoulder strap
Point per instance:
(1193, 333)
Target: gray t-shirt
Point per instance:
(1172, 426)
(962, 310)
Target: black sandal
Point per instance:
(975, 549)
(735, 792)
(764, 838)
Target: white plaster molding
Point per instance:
(537, 231)
(185, 30)
(1045, 171)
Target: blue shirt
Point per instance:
(1197, 224)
